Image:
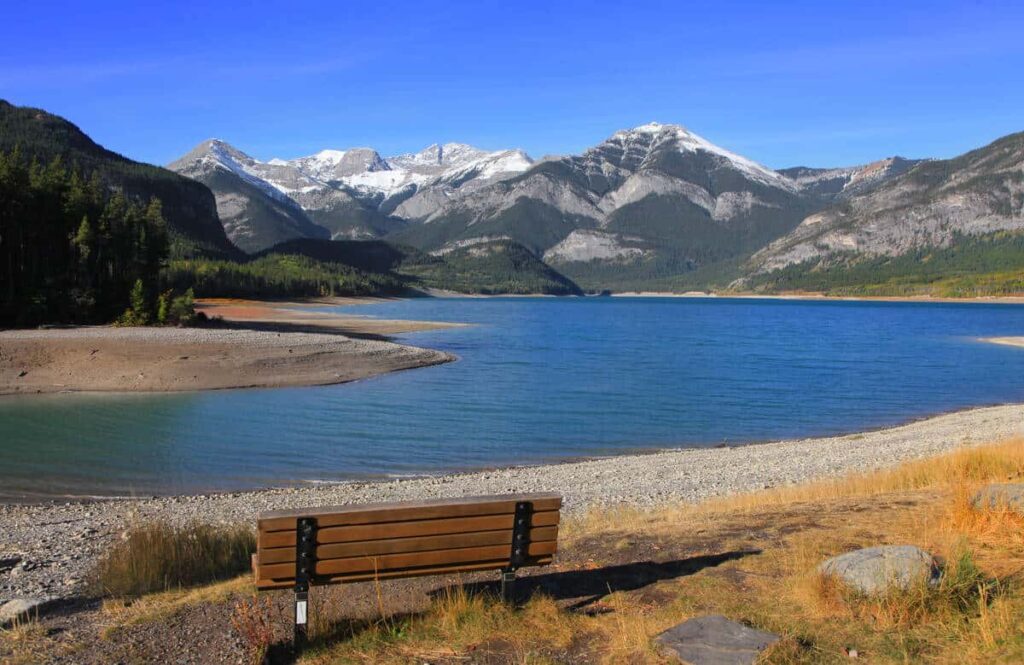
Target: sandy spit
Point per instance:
(1006, 341)
(174, 359)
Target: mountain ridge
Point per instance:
(353, 193)
(928, 205)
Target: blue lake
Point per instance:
(538, 379)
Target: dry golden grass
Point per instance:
(974, 615)
(159, 557)
(251, 619)
(23, 642)
(455, 622)
(118, 613)
(964, 469)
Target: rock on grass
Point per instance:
(999, 495)
(715, 640)
(875, 570)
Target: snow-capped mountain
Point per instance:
(354, 193)
(654, 193)
(334, 165)
(255, 214)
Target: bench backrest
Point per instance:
(408, 539)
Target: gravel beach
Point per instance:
(45, 550)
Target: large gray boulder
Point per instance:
(875, 570)
(715, 640)
(1000, 495)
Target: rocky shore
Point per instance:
(46, 550)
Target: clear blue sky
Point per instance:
(816, 83)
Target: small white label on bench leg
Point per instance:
(300, 612)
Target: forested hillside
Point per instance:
(275, 275)
(970, 266)
(494, 267)
(70, 249)
(188, 206)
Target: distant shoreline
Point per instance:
(715, 295)
(1010, 300)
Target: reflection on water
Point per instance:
(537, 379)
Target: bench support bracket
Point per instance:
(520, 548)
(305, 570)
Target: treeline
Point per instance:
(276, 276)
(493, 268)
(72, 250)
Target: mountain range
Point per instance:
(353, 194)
(655, 207)
(647, 203)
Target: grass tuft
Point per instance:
(159, 557)
(25, 641)
(251, 620)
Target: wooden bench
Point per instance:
(333, 545)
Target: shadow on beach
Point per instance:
(585, 587)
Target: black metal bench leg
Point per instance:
(508, 584)
(305, 567)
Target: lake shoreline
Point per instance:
(55, 544)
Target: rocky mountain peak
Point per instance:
(328, 165)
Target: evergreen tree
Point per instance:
(71, 250)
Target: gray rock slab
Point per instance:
(874, 570)
(715, 640)
(1008, 495)
(20, 609)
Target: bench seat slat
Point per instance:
(402, 545)
(375, 513)
(345, 534)
(369, 564)
(264, 584)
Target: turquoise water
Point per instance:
(538, 379)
